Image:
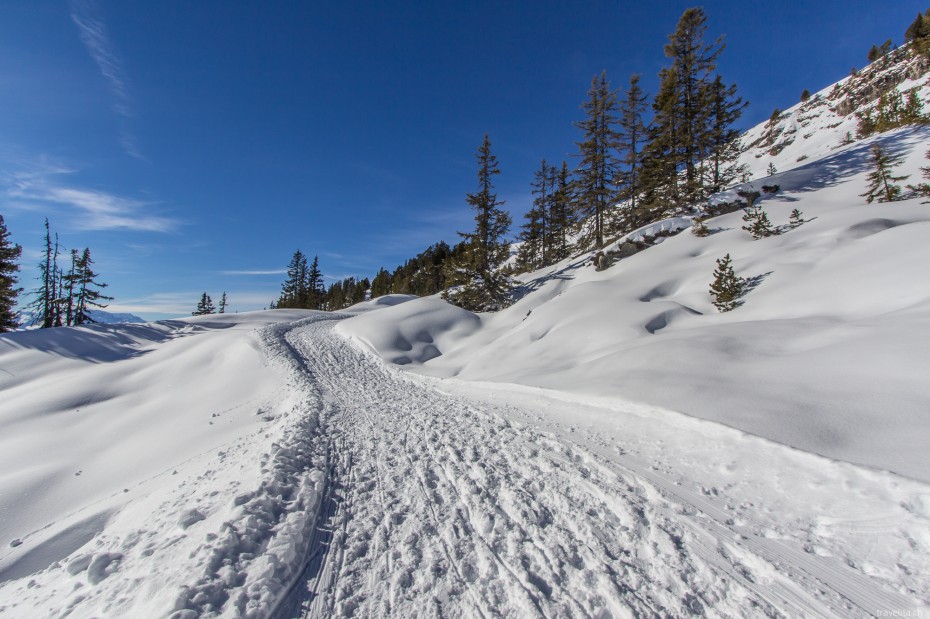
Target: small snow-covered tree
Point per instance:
(727, 288)
(923, 189)
(699, 228)
(882, 181)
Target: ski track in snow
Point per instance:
(439, 506)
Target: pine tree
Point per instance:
(535, 235)
(88, 295)
(805, 95)
(699, 228)
(223, 303)
(727, 288)
(598, 168)
(47, 277)
(381, 284)
(484, 287)
(694, 63)
(923, 189)
(204, 306)
(881, 180)
(723, 143)
(632, 137)
(9, 266)
(796, 218)
(72, 284)
(315, 286)
(561, 218)
(294, 289)
(771, 170)
(662, 156)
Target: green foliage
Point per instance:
(882, 185)
(691, 146)
(481, 283)
(771, 170)
(9, 266)
(699, 228)
(727, 288)
(892, 111)
(796, 218)
(222, 309)
(303, 288)
(204, 306)
(918, 33)
(923, 189)
(758, 223)
(598, 168)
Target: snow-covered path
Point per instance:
(453, 499)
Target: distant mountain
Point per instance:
(28, 320)
(111, 318)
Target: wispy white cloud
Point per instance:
(256, 272)
(38, 188)
(96, 39)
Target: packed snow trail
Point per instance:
(452, 504)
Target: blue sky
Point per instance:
(195, 145)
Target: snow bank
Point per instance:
(145, 469)
(829, 353)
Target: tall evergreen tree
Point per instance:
(9, 266)
(694, 62)
(662, 157)
(44, 304)
(632, 137)
(223, 303)
(923, 189)
(723, 143)
(535, 249)
(294, 289)
(89, 293)
(381, 284)
(71, 284)
(315, 288)
(484, 286)
(204, 306)
(881, 179)
(597, 171)
(561, 219)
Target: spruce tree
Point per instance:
(923, 189)
(72, 284)
(561, 219)
(598, 166)
(44, 305)
(223, 303)
(727, 288)
(484, 286)
(796, 218)
(315, 287)
(771, 170)
(294, 288)
(632, 136)
(9, 266)
(881, 179)
(694, 62)
(723, 143)
(204, 306)
(535, 249)
(88, 294)
(662, 157)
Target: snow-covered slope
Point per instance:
(829, 353)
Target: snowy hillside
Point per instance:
(828, 353)
(608, 446)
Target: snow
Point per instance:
(828, 354)
(608, 446)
